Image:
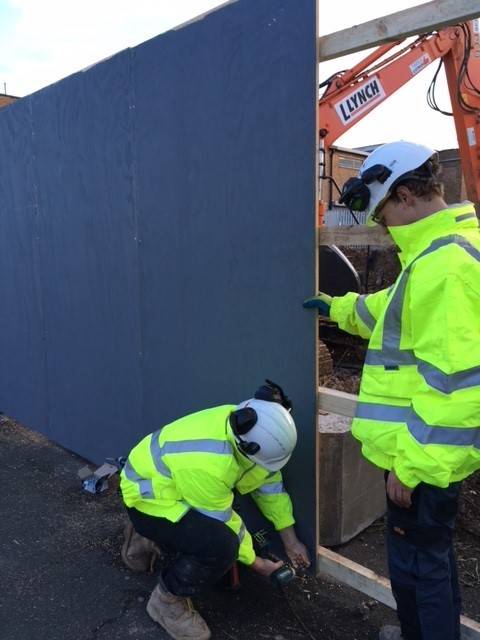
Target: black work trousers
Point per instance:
(422, 564)
(206, 548)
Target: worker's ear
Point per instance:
(405, 196)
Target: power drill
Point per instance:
(282, 576)
(262, 545)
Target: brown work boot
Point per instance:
(176, 615)
(138, 553)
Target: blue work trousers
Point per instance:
(422, 564)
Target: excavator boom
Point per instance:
(351, 95)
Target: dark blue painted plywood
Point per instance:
(226, 201)
(89, 262)
(161, 208)
(23, 384)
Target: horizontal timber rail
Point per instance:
(339, 402)
(423, 18)
(373, 585)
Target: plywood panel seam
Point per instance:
(36, 238)
(137, 239)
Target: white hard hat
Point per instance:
(274, 432)
(381, 169)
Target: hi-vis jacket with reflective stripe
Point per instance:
(419, 404)
(192, 463)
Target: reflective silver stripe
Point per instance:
(392, 322)
(241, 533)
(223, 516)
(156, 453)
(465, 216)
(453, 239)
(430, 434)
(470, 249)
(403, 356)
(364, 314)
(274, 487)
(184, 446)
(449, 382)
(383, 412)
(221, 447)
(144, 486)
(391, 356)
(422, 432)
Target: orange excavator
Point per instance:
(350, 95)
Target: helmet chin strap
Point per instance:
(247, 448)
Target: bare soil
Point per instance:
(368, 549)
(63, 578)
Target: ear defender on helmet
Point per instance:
(244, 419)
(272, 392)
(241, 421)
(264, 430)
(355, 192)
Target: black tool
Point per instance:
(282, 576)
(273, 392)
(262, 545)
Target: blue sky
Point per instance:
(42, 41)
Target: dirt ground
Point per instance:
(63, 579)
(368, 548)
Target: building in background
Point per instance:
(340, 164)
(5, 99)
(452, 176)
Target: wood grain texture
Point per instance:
(397, 26)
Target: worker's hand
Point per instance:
(322, 302)
(398, 493)
(297, 554)
(296, 551)
(266, 567)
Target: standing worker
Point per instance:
(177, 485)
(418, 413)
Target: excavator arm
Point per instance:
(351, 95)
(462, 67)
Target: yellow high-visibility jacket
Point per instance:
(419, 404)
(192, 463)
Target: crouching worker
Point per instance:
(177, 485)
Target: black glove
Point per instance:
(273, 392)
